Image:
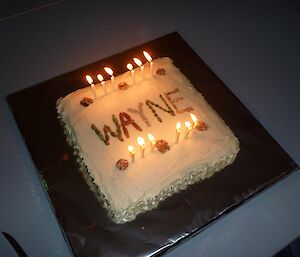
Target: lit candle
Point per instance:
(195, 120)
(141, 143)
(91, 82)
(110, 72)
(178, 130)
(188, 129)
(140, 64)
(132, 153)
(149, 59)
(100, 78)
(130, 67)
(152, 140)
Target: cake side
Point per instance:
(157, 176)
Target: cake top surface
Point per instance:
(145, 177)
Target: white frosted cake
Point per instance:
(101, 127)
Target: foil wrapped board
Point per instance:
(260, 163)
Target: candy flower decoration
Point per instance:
(140, 64)
(91, 82)
(130, 68)
(189, 127)
(122, 164)
(132, 153)
(149, 59)
(141, 143)
(162, 145)
(110, 72)
(100, 78)
(152, 140)
(86, 101)
(178, 130)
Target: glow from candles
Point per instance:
(194, 119)
(131, 149)
(178, 126)
(130, 67)
(132, 152)
(152, 140)
(89, 79)
(100, 78)
(148, 57)
(189, 128)
(140, 64)
(141, 143)
(110, 72)
(91, 82)
(178, 130)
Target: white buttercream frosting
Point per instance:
(151, 179)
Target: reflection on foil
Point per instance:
(76, 238)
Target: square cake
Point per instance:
(181, 139)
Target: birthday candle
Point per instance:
(149, 59)
(110, 72)
(91, 82)
(140, 64)
(178, 130)
(152, 140)
(132, 153)
(141, 143)
(130, 68)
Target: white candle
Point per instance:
(100, 78)
(140, 64)
(132, 153)
(91, 82)
(149, 59)
(151, 68)
(143, 73)
(112, 78)
(152, 140)
(178, 130)
(141, 143)
(189, 127)
(110, 72)
(130, 68)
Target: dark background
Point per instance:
(252, 47)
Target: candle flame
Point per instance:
(141, 141)
(188, 125)
(178, 126)
(138, 62)
(100, 77)
(109, 71)
(131, 149)
(151, 138)
(129, 66)
(148, 56)
(89, 79)
(194, 118)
